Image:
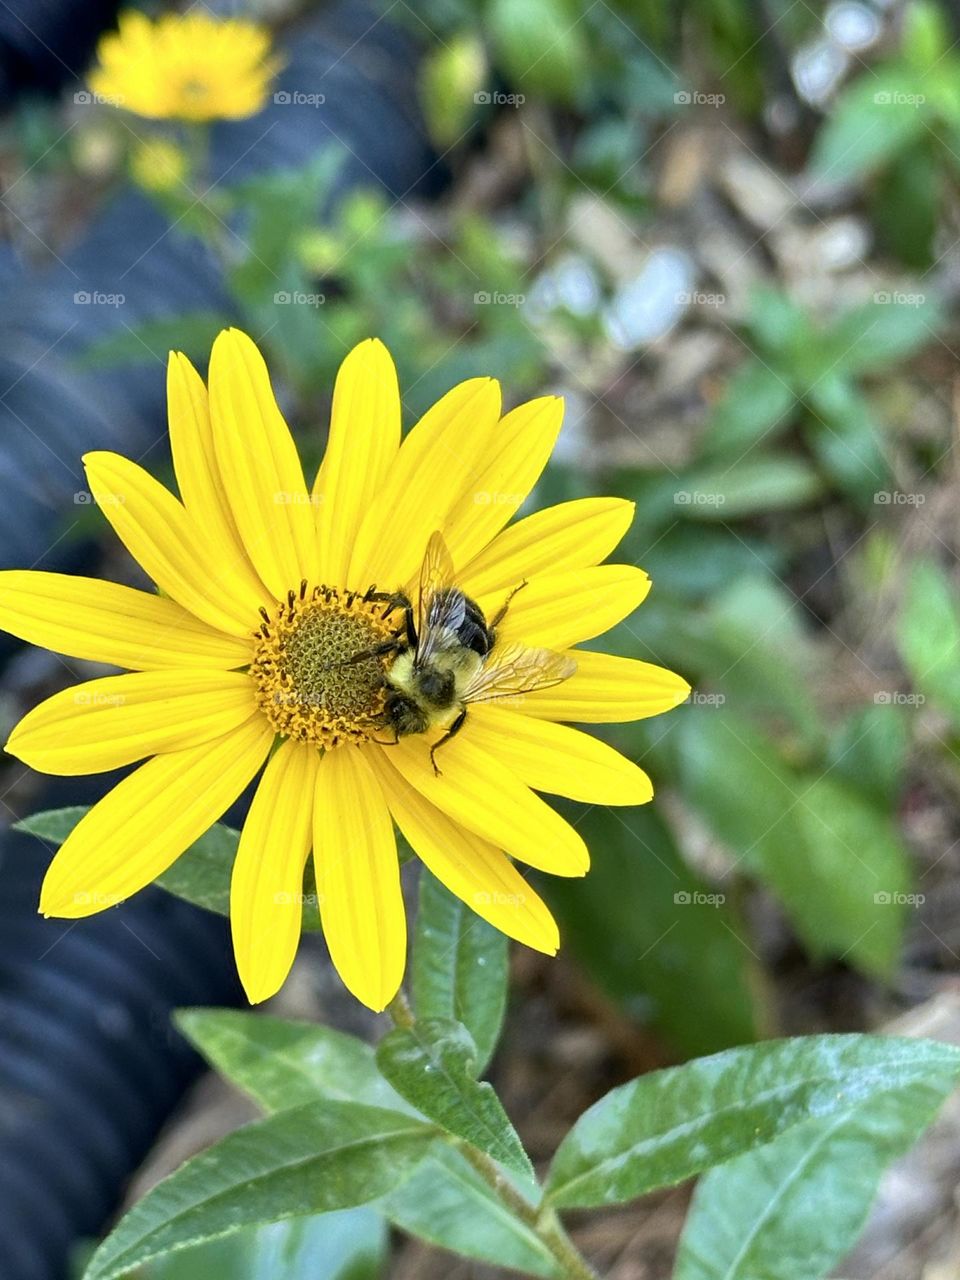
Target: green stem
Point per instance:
(543, 1222)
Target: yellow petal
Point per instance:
(519, 451)
(477, 873)
(571, 535)
(358, 878)
(605, 689)
(169, 546)
(436, 462)
(554, 758)
(261, 470)
(143, 825)
(361, 449)
(477, 790)
(266, 889)
(107, 723)
(104, 622)
(557, 610)
(198, 473)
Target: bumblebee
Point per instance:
(447, 657)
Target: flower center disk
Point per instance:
(308, 684)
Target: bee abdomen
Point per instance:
(473, 631)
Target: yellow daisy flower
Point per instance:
(188, 66)
(268, 589)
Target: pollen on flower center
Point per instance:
(307, 684)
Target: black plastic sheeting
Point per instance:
(89, 1065)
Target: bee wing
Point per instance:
(441, 606)
(517, 670)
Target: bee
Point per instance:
(447, 657)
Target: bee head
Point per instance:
(405, 714)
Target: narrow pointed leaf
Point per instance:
(459, 966)
(670, 1125)
(448, 1204)
(432, 1064)
(282, 1063)
(791, 1210)
(311, 1159)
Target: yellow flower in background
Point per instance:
(283, 622)
(190, 66)
(158, 164)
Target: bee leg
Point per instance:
(451, 733)
(502, 612)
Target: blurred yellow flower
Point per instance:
(191, 67)
(270, 632)
(157, 164)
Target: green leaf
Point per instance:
(667, 1126)
(310, 1159)
(350, 1244)
(448, 1204)
(559, 70)
(928, 633)
(459, 966)
(873, 121)
(52, 825)
(836, 863)
(847, 438)
(432, 1065)
(282, 1063)
(869, 751)
(662, 942)
(791, 1210)
(757, 404)
(748, 487)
